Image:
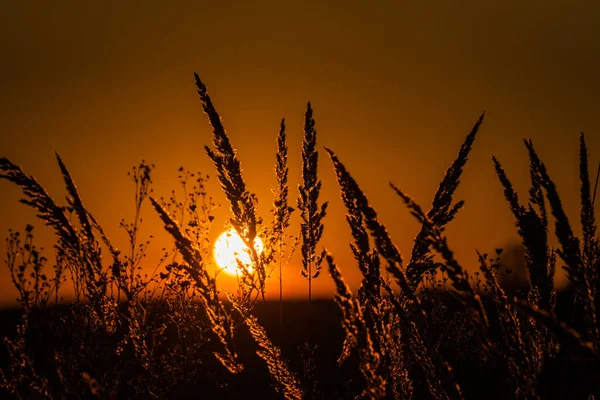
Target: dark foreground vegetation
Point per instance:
(478, 378)
(418, 327)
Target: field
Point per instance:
(419, 326)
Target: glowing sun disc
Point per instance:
(229, 248)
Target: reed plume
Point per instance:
(532, 227)
(442, 210)
(311, 227)
(229, 172)
(399, 343)
(281, 209)
(569, 249)
(408, 308)
(79, 249)
(438, 241)
(353, 195)
(591, 245)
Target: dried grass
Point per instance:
(403, 340)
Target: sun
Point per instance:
(229, 248)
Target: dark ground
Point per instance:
(324, 331)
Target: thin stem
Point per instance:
(596, 185)
(309, 300)
(280, 291)
(309, 286)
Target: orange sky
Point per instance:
(395, 87)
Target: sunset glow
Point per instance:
(229, 248)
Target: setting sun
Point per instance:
(229, 248)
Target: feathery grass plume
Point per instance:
(383, 242)
(77, 252)
(75, 200)
(455, 272)
(91, 248)
(367, 259)
(569, 248)
(124, 349)
(229, 172)
(379, 316)
(220, 321)
(569, 251)
(85, 218)
(281, 210)
(518, 354)
(311, 227)
(438, 373)
(590, 255)
(532, 226)
(369, 293)
(285, 381)
(588, 220)
(442, 211)
(355, 326)
(132, 282)
(596, 184)
(361, 212)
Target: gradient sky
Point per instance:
(395, 87)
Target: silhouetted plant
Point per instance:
(118, 349)
(241, 201)
(285, 382)
(403, 339)
(311, 227)
(281, 211)
(442, 211)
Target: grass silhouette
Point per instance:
(171, 334)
